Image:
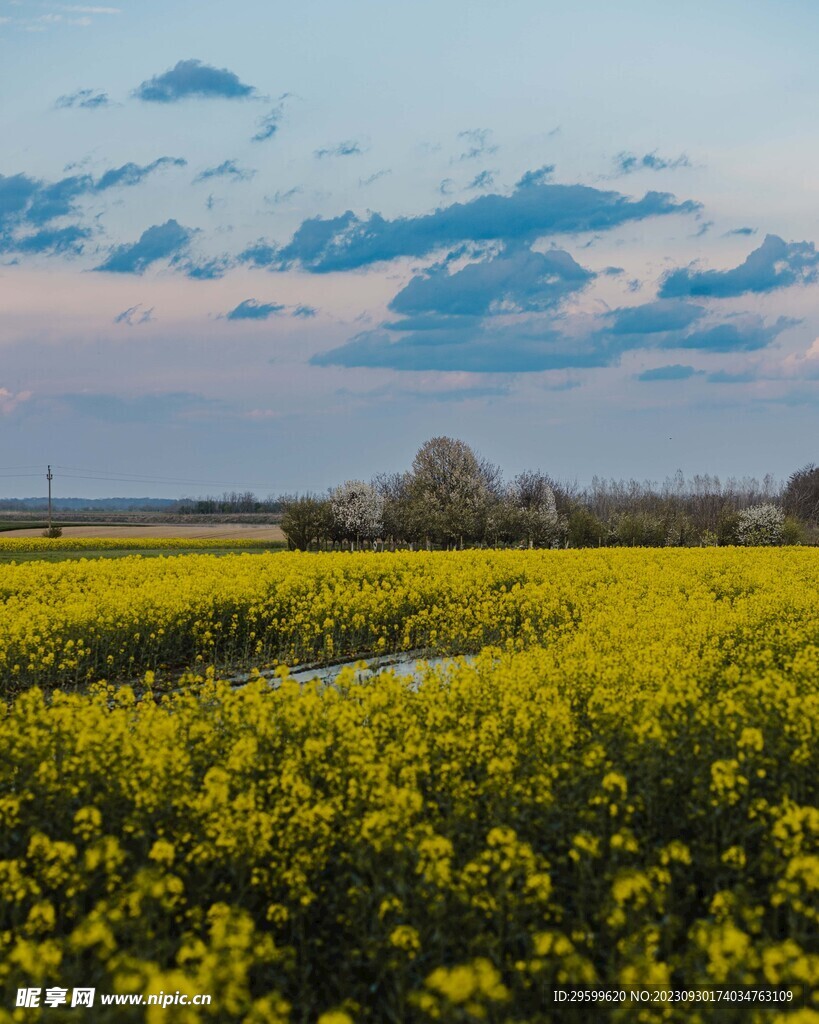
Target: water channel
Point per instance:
(408, 665)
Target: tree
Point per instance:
(801, 495)
(450, 491)
(639, 530)
(760, 525)
(727, 526)
(305, 519)
(394, 489)
(358, 510)
(583, 528)
(530, 510)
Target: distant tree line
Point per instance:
(229, 503)
(89, 504)
(453, 498)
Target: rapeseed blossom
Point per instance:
(620, 790)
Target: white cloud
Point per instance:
(802, 364)
(9, 400)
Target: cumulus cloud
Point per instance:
(348, 148)
(28, 206)
(515, 280)
(478, 143)
(11, 400)
(86, 99)
(284, 197)
(486, 179)
(250, 309)
(348, 242)
(674, 372)
(133, 174)
(160, 242)
(498, 348)
(53, 241)
(775, 264)
(57, 199)
(260, 254)
(628, 163)
(192, 78)
(135, 315)
(805, 363)
(364, 182)
(654, 317)
(537, 177)
(16, 192)
(267, 126)
(746, 333)
(227, 169)
(470, 338)
(204, 269)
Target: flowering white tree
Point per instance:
(358, 509)
(760, 525)
(450, 490)
(532, 509)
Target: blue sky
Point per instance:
(279, 246)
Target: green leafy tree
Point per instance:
(306, 519)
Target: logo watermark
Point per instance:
(31, 998)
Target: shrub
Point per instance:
(760, 526)
(584, 529)
(727, 526)
(679, 531)
(639, 530)
(793, 531)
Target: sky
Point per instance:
(268, 246)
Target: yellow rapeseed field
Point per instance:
(619, 791)
(9, 545)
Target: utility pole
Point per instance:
(49, 477)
